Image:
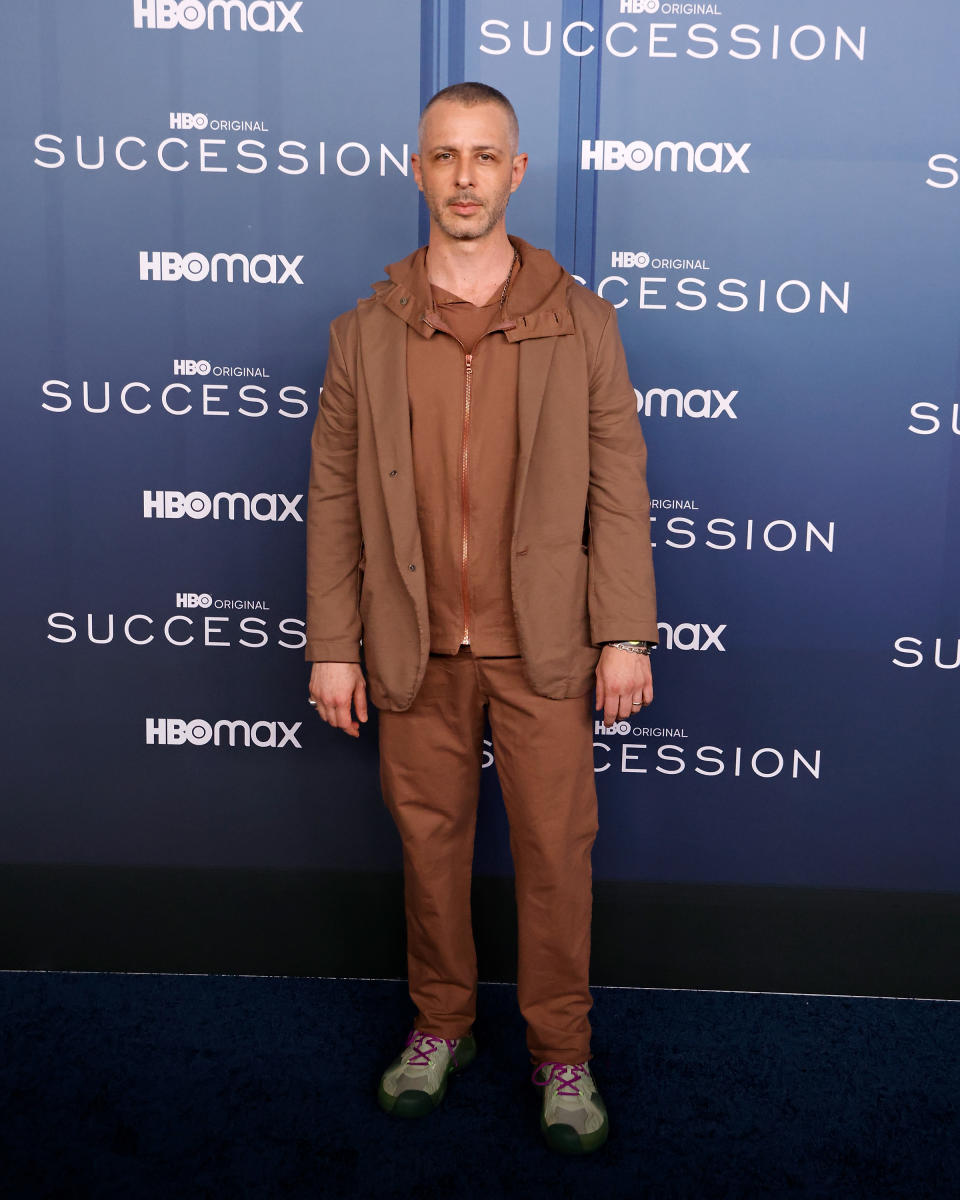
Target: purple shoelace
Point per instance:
(565, 1087)
(425, 1044)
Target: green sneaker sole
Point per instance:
(564, 1139)
(414, 1103)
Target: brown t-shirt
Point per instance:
(462, 383)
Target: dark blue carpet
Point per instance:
(142, 1086)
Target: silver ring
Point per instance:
(312, 703)
(638, 703)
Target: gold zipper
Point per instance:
(465, 465)
(465, 499)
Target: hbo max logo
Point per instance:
(223, 506)
(166, 266)
(711, 158)
(173, 731)
(258, 17)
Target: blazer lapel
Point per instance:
(383, 366)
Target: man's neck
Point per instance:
(472, 270)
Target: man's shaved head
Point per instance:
(470, 94)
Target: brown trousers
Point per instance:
(430, 771)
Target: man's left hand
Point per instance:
(624, 684)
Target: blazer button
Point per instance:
(392, 473)
(403, 299)
(411, 567)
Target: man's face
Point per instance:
(466, 167)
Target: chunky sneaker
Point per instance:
(573, 1119)
(415, 1083)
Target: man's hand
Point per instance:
(334, 686)
(624, 683)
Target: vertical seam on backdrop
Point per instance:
(576, 196)
(428, 76)
(441, 21)
(565, 240)
(456, 41)
(588, 126)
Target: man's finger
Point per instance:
(600, 697)
(360, 702)
(645, 688)
(345, 721)
(336, 714)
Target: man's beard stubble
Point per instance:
(452, 227)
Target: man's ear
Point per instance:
(519, 170)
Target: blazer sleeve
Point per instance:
(621, 592)
(334, 539)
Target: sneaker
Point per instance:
(415, 1083)
(573, 1119)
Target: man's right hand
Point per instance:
(334, 686)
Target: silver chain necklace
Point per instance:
(506, 283)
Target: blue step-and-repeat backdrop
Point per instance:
(767, 191)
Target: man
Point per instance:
(478, 515)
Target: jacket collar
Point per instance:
(536, 305)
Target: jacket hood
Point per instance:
(536, 305)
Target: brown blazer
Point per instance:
(581, 565)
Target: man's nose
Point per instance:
(464, 173)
